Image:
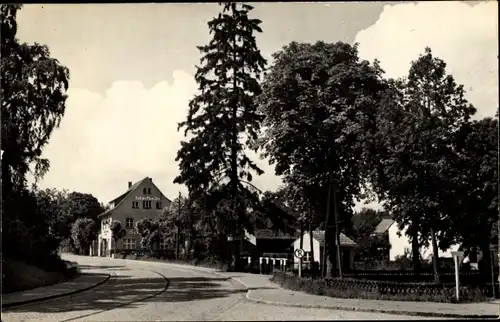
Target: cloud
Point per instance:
(127, 134)
(130, 131)
(464, 36)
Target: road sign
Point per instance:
(299, 253)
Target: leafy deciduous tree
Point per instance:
(32, 94)
(83, 232)
(420, 116)
(319, 102)
(117, 231)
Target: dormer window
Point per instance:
(129, 223)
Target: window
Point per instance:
(135, 204)
(105, 223)
(158, 205)
(163, 244)
(146, 204)
(144, 190)
(129, 223)
(307, 257)
(149, 191)
(129, 243)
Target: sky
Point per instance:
(132, 68)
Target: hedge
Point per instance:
(381, 290)
(466, 278)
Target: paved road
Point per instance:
(140, 291)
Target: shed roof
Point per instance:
(383, 226)
(319, 235)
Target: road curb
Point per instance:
(54, 296)
(248, 296)
(359, 309)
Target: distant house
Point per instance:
(347, 246)
(141, 200)
(400, 243)
(265, 243)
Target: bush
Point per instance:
(381, 290)
(466, 278)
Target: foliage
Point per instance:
(380, 290)
(49, 203)
(27, 234)
(213, 162)
(363, 225)
(319, 102)
(476, 182)
(276, 212)
(62, 209)
(117, 231)
(83, 232)
(412, 149)
(82, 205)
(150, 234)
(475, 177)
(32, 95)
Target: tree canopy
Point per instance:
(417, 123)
(319, 101)
(213, 162)
(33, 97)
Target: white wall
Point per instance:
(306, 246)
(398, 245)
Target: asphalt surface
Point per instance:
(138, 291)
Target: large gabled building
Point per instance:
(141, 200)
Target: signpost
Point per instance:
(299, 253)
(457, 258)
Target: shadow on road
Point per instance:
(126, 291)
(101, 266)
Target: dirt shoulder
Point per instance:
(18, 276)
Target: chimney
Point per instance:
(129, 184)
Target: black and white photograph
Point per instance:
(257, 161)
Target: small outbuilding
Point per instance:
(347, 247)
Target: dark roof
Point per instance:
(122, 197)
(126, 193)
(273, 234)
(319, 235)
(383, 226)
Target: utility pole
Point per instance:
(498, 203)
(177, 244)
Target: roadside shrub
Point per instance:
(380, 290)
(466, 278)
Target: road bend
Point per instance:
(141, 291)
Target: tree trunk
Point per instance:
(435, 257)
(234, 150)
(337, 233)
(188, 247)
(313, 267)
(485, 267)
(415, 247)
(301, 243)
(177, 244)
(324, 265)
